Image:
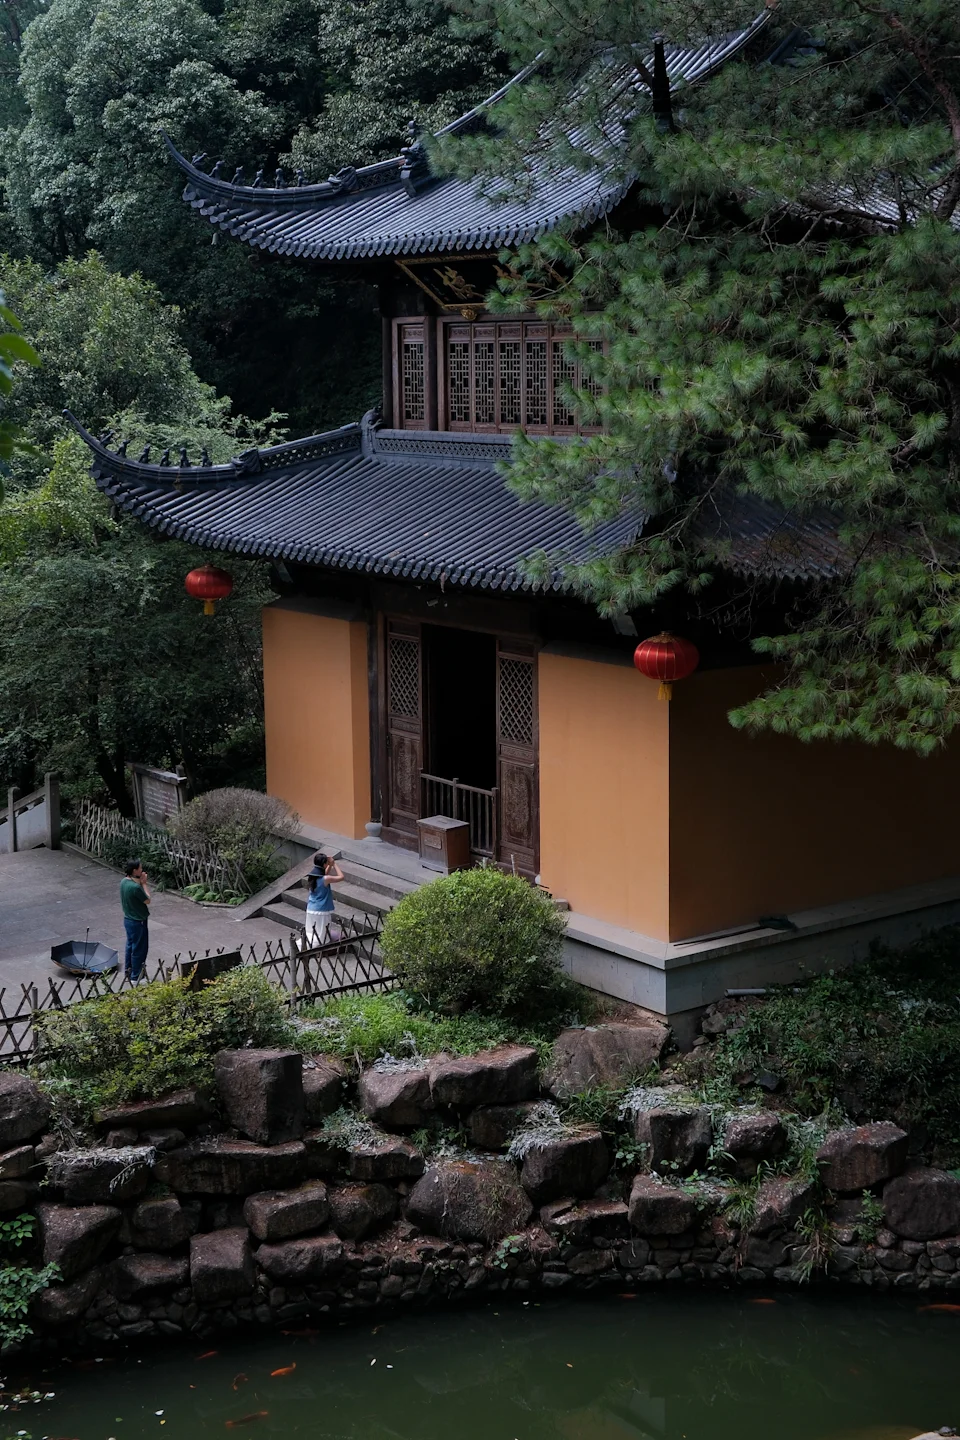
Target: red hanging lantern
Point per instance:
(209, 585)
(666, 658)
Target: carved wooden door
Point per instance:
(519, 798)
(404, 711)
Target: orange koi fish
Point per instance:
(246, 1419)
(285, 1369)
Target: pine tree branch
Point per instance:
(927, 61)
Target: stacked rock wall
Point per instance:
(195, 1213)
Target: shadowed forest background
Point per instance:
(146, 322)
(778, 301)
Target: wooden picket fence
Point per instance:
(98, 831)
(350, 963)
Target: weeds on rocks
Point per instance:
(19, 1283)
(364, 1028)
(878, 1041)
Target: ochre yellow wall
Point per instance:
(765, 824)
(659, 818)
(317, 717)
(664, 819)
(604, 806)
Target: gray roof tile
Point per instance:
(372, 212)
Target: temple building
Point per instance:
(413, 668)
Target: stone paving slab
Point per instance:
(49, 896)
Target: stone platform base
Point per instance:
(678, 980)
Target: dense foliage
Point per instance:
(480, 940)
(390, 64)
(19, 1282)
(764, 334)
(157, 1038)
(103, 657)
(83, 162)
(13, 348)
(879, 1041)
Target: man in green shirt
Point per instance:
(135, 902)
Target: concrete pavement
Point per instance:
(49, 896)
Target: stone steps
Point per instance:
(362, 894)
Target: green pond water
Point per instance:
(687, 1367)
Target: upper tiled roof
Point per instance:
(399, 208)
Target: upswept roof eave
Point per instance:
(260, 504)
(290, 220)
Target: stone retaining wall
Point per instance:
(194, 1214)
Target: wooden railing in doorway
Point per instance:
(463, 802)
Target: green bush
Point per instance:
(366, 1027)
(159, 1037)
(117, 850)
(879, 1041)
(480, 940)
(243, 826)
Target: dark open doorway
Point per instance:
(461, 696)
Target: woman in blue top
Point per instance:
(325, 873)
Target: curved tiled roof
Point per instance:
(426, 505)
(412, 505)
(399, 208)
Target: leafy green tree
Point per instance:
(88, 167)
(103, 658)
(13, 348)
(781, 311)
(391, 62)
(113, 353)
(15, 16)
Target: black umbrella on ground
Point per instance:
(84, 957)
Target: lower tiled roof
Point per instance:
(424, 505)
(415, 506)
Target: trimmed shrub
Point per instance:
(159, 1037)
(480, 940)
(242, 825)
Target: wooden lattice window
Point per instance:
(509, 374)
(404, 671)
(411, 358)
(516, 701)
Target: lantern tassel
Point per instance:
(666, 690)
(209, 607)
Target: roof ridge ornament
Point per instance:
(414, 169)
(344, 180)
(660, 90)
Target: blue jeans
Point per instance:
(137, 940)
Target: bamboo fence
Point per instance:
(349, 964)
